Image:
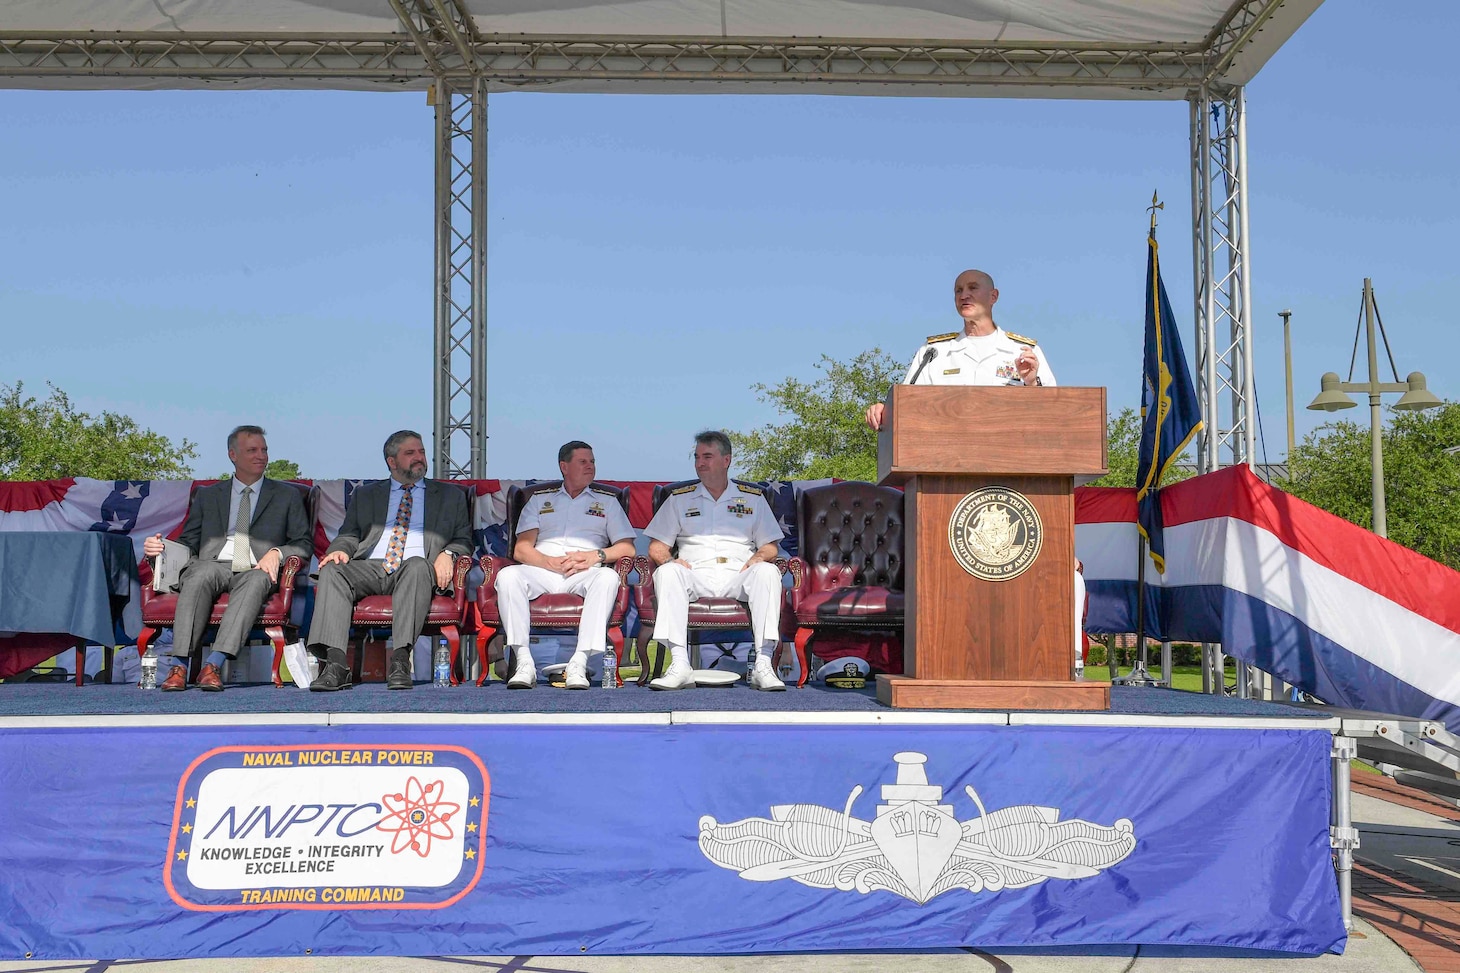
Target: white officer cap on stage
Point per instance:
(848, 672)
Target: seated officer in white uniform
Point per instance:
(981, 354)
(728, 539)
(567, 543)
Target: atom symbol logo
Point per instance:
(417, 816)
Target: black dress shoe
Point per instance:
(400, 676)
(331, 678)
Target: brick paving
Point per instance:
(1419, 915)
(1394, 792)
(1422, 917)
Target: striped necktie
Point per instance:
(397, 549)
(242, 555)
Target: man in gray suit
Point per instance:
(240, 531)
(398, 539)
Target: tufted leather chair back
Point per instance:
(663, 490)
(852, 535)
(518, 496)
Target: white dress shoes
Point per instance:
(576, 676)
(524, 676)
(679, 676)
(763, 677)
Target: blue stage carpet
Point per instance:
(57, 699)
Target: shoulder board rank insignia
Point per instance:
(748, 488)
(683, 489)
(605, 491)
(1020, 338)
(933, 339)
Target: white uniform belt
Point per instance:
(714, 562)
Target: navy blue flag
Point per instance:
(1170, 413)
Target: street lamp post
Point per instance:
(1416, 395)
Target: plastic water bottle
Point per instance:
(610, 668)
(441, 665)
(148, 679)
(750, 656)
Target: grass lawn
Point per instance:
(1182, 677)
(1187, 678)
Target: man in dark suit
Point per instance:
(398, 539)
(239, 530)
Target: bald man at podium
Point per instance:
(984, 354)
(981, 354)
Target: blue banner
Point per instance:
(609, 838)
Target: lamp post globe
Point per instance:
(1331, 396)
(1419, 395)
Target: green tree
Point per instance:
(1331, 469)
(1123, 444)
(825, 433)
(50, 439)
(278, 469)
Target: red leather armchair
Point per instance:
(705, 614)
(849, 574)
(159, 608)
(562, 612)
(446, 616)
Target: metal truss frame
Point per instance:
(460, 296)
(440, 41)
(528, 61)
(444, 33)
(1222, 278)
(1223, 320)
(441, 49)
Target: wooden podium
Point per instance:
(990, 586)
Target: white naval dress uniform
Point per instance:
(962, 359)
(592, 520)
(716, 537)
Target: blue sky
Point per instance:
(200, 259)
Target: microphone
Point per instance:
(932, 353)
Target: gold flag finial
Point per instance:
(1155, 205)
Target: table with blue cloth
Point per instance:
(78, 583)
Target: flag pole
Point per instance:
(1138, 665)
(1140, 673)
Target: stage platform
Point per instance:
(43, 700)
(485, 821)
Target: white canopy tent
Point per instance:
(1040, 21)
(1202, 51)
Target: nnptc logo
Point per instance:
(328, 828)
